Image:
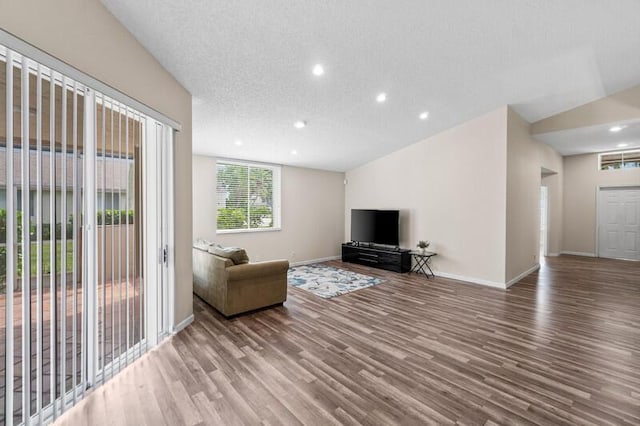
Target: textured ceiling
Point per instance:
(248, 66)
(599, 138)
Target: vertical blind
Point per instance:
(72, 287)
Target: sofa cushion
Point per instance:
(259, 270)
(237, 255)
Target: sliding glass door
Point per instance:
(84, 288)
(119, 233)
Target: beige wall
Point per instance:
(312, 215)
(85, 35)
(525, 159)
(621, 106)
(450, 189)
(581, 182)
(581, 174)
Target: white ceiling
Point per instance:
(248, 66)
(599, 138)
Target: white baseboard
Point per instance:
(553, 254)
(309, 262)
(182, 324)
(471, 280)
(522, 275)
(579, 253)
(488, 283)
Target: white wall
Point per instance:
(582, 178)
(312, 215)
(525, 159)
(85, 35)
(450, 189)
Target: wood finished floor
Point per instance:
(560, 347)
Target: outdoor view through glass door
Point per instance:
(119, 233)
(73, 189)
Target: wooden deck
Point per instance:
(115, 331)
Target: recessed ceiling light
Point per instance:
(318, 70)
(238, 143)
(294, 152)
(381, 97)
(424, 115)
(616, 128)
(300, 124)
(622, 145)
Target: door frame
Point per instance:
(545, 251)
(168, 166)
(599, 188)
(159, 240)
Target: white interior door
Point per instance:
(619, 223)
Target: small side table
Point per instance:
(422, 262)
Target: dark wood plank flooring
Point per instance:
(560, 347)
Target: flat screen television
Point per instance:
(375, 226)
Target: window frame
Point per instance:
(276, 195)
(622, 154)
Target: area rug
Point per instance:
(327, 281)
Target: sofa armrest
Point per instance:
(257, 270)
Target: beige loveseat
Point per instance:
(236, 288)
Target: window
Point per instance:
(620, 160)
(110, 200)
(248, 196)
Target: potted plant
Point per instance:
(423, 245)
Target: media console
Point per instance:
(396, 260)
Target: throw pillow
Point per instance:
(237, 255)
(202, 244)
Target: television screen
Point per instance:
(387, 222)
(363, 225)
(375, 226)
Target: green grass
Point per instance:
(46, 260)
(46, 252)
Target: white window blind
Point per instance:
(248, 196)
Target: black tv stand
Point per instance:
(373, 246)
(390, 258)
